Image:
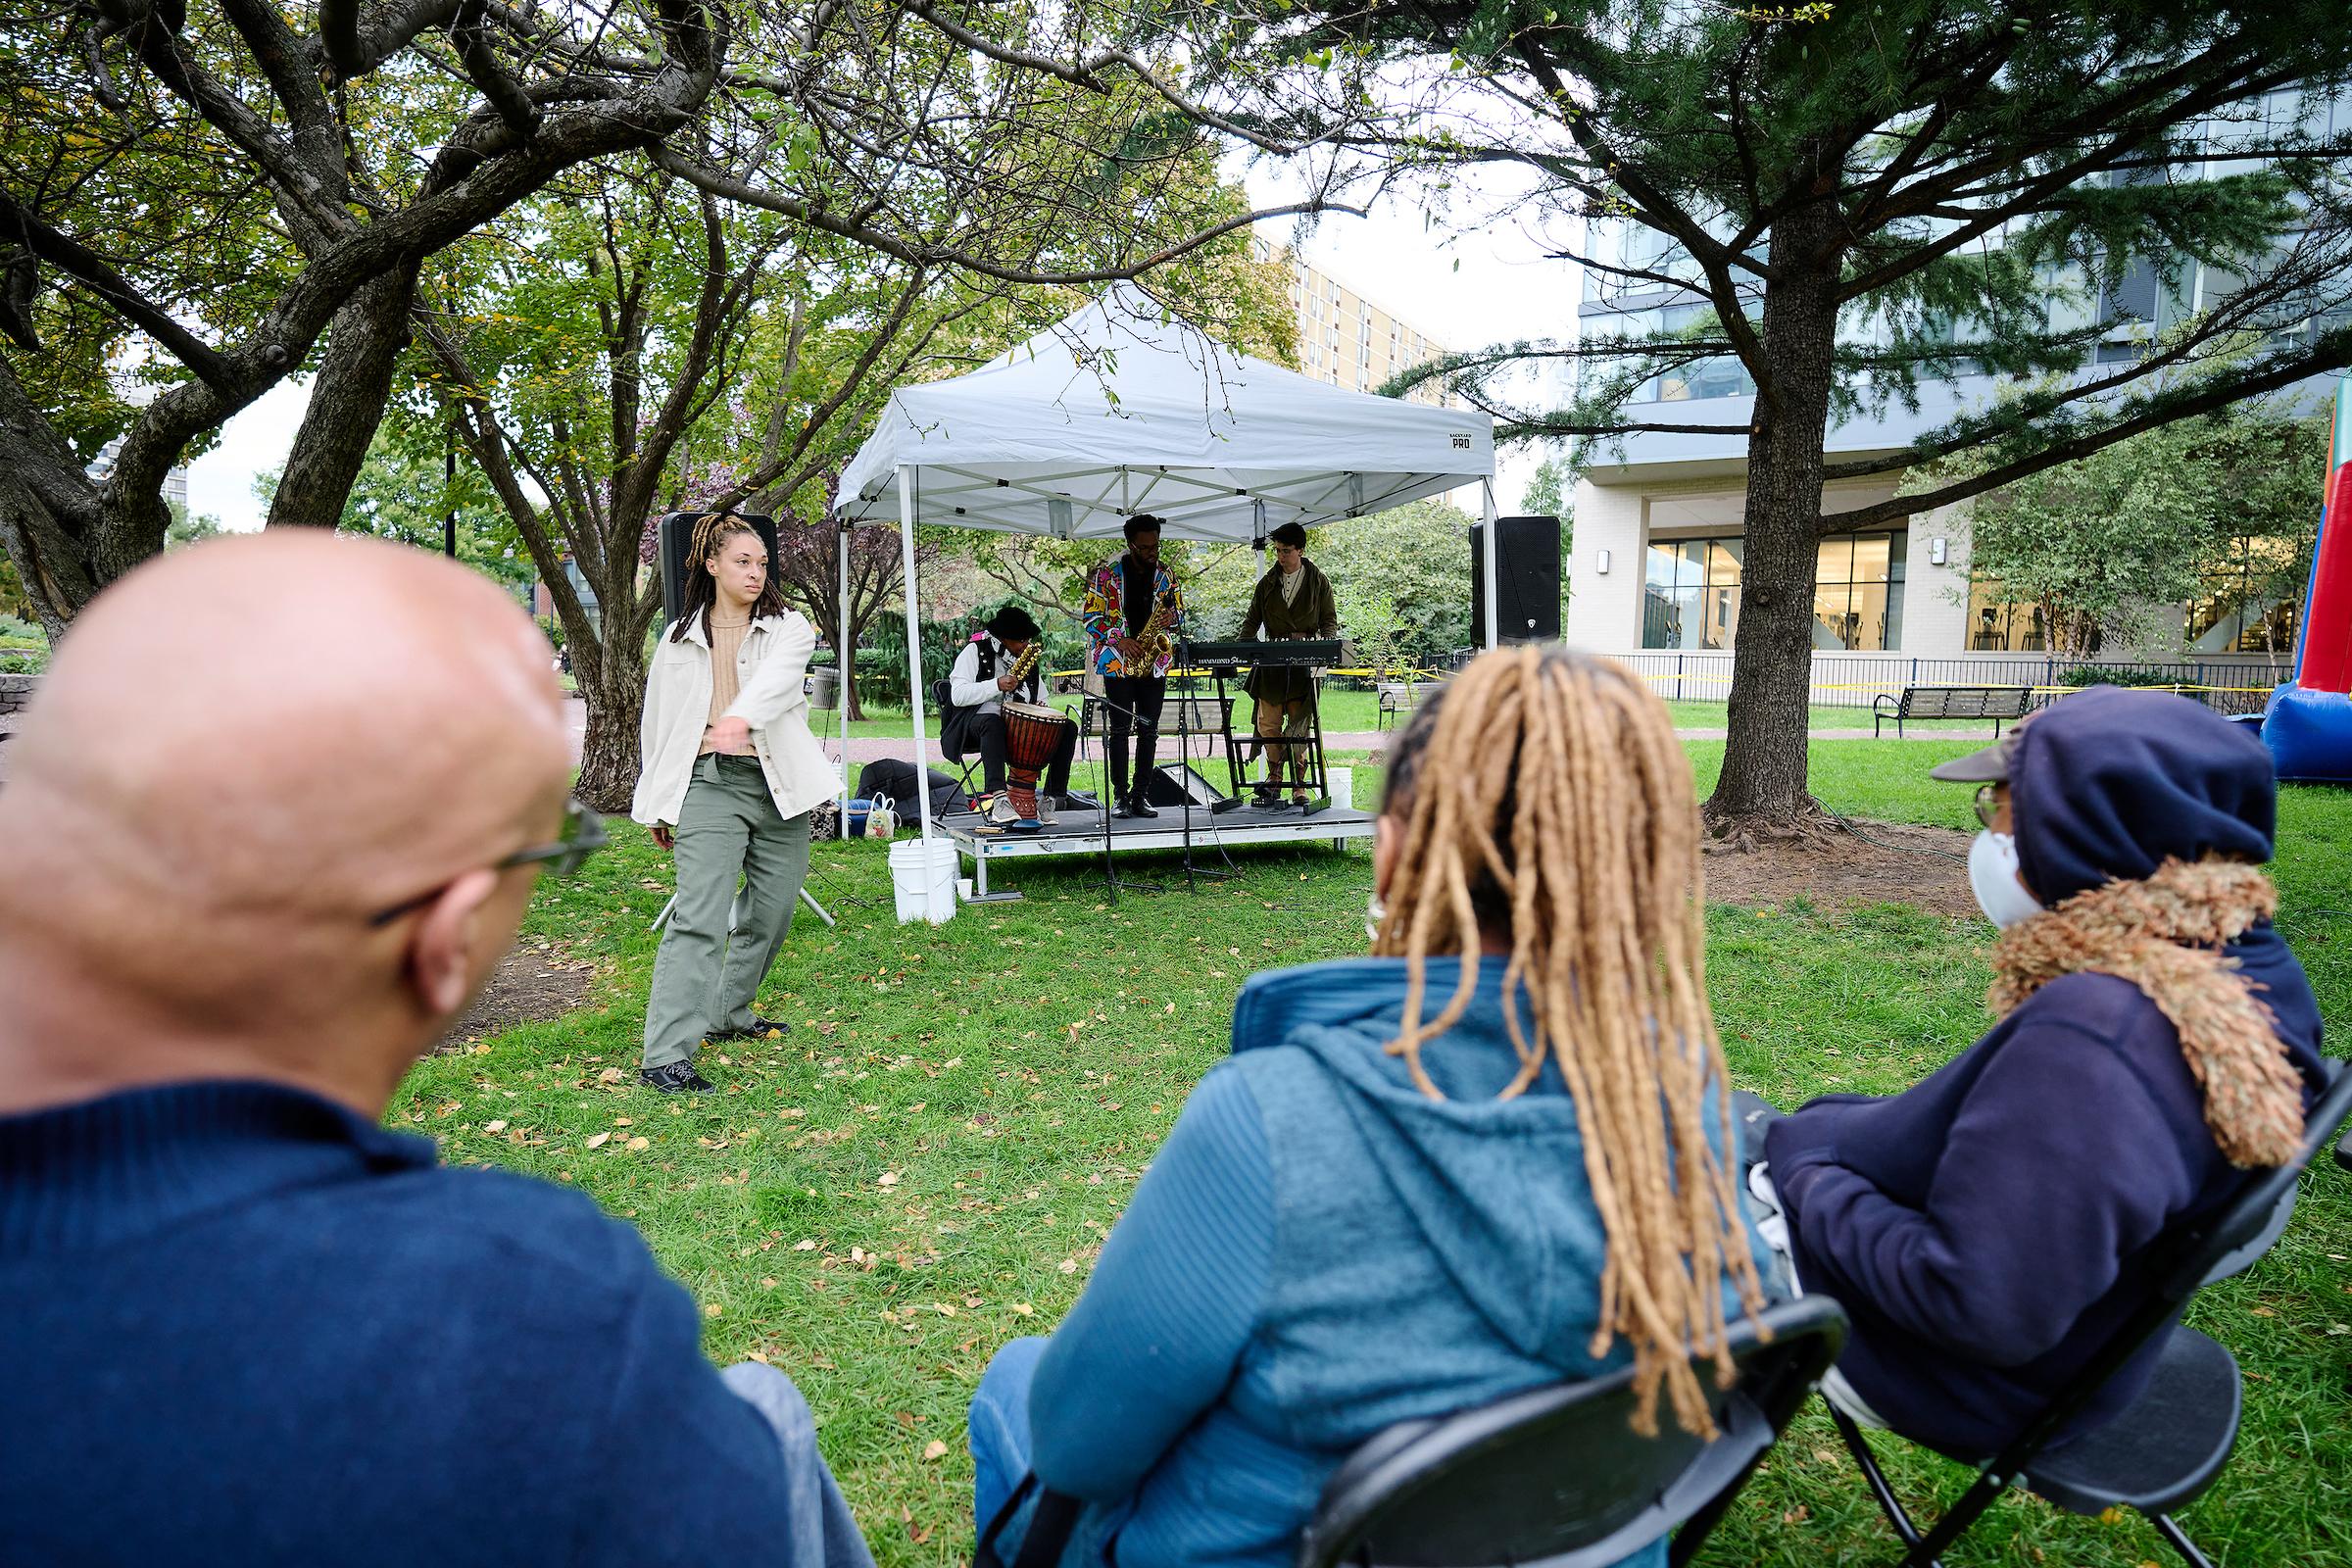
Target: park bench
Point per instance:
(1995, 703)
(1393, 697)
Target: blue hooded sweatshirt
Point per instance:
(1318, 1251)
(1986, 1229)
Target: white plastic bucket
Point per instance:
(1343, 786)
(922, 873)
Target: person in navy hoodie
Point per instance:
(2156, 1041)
(268, 826)
(1425, 1179)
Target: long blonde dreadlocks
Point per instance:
(1545, 790)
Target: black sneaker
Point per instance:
(760, 1029)
(678, 1078)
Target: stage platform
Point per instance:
(1081, 833)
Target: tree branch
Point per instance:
(930, 256)
(2334, 354)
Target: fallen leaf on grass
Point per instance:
(804, 1246)
(639, 1143)
(889, 1178)
(494, 1126)
(1024, 1308)
(1068, 1265)
(598, 1139)
(934, 1449)
(610, 1075)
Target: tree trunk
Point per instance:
(613, 688)
(1762, 790)
(347, 402)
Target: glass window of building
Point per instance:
(1999, 624)
(2249, 598)
(1690, 593)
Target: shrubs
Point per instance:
(2109, 675)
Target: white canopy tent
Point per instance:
(1123, 408)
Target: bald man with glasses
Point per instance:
(274, 817)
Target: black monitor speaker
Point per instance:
(677, 538)
(1526, 580)
(1179, 784)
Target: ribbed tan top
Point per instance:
(726, 642)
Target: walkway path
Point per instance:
(866, 749)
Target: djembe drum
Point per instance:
(1032, 732)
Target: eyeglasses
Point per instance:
(1989, 804)
(583, 834)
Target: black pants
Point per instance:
(1133, 702)
(987, 737)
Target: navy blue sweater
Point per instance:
(245, 1326)
(1986, 1230)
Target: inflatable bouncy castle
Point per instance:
(2308, 725)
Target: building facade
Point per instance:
(1655, 569)
(1348, 340)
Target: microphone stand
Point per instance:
(1111, 875)
(1184, 752)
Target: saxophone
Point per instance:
(1155, 638)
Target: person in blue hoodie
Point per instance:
(1427, 1179)
(2156, 1041)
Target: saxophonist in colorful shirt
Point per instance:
(1133, 616)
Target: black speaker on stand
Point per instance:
(1526, 580)
(675, 536)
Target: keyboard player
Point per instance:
(1293, 600)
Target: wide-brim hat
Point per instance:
(1013, 624)
(1987, 766)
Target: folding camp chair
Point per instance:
(964, 765)
(2165, 1448)
(1554, 1478)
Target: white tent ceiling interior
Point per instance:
(1123, 408)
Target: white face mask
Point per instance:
(1993, 878)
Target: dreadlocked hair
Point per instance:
(1545, 790)
(710, 535)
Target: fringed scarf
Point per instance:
(2165, 934)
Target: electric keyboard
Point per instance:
(1231, 653)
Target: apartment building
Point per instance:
(1348, 340)
(1656, 564)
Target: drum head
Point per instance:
(1033, 710)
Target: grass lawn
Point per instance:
(927, 1165)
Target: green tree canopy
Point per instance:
(1844, 204)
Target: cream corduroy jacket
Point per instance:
(770, 669)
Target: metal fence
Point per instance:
(1856, 680)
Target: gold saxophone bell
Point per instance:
(1156, 640)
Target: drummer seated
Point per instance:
(977, 689)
